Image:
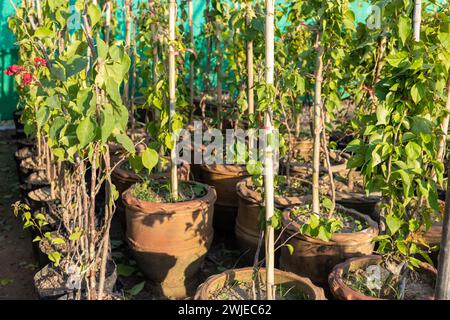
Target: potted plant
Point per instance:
(158, 211)
(410, 201)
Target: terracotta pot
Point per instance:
(343, 292)
(124, 179)
(40, 198)
(304, 169)
(356, 198)
(315, 258)
(170, 240)
(247, 227)
(50, 284)
(303, 285)
(224, 179)
(17, 114)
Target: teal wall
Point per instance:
(8, 51)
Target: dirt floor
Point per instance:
(17, 266)
(17, 262)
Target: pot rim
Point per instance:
(370, 232)
(170, 208)
(338, 286)
(226, 169)
(202, 290)
(244, 192)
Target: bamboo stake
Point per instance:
(444, 126)
(317, 126)
(442, 290)
(250, 76)
(108, 22)
(172, 96)
(39, 11)
(219, 76)
(417, 20)
(268, 154)
(126, 88)
(191, 62)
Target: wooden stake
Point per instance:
(191, 62)
(268, 154)
(417, 20)
(443, 278)
(172, 88)
(317, 127)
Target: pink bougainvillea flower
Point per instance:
(13, 70)
(40, 62)
(27, 79)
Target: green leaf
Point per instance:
(125, 270)
(42, 116)
(290, 248)
(413, 150)
(43, 32)
(150, 159)
(396, 58)
(417, 92)
(136, 289)
(382, 114)
(94, 13)
(58, 240)
(404, 28)
(394, 223)
(112, 88)
(75, 236)
(126, 142)
(58, 73)
(254, 167)
(86, 131)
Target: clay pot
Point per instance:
(303, 285)
(170, 240)
(356, 198)
(224, 179)
(315, 258)
(343, 292)
(50, 284)
(40, 198)
(124, 179)
(247, 227)
(304, 169)
(16, 117)
(34, 181)
(26, 167)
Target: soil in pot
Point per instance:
(169, 239)
(237, 284)
(247, 228)
(224, 179)
(314, 255)
(371, 278)
(124, 177)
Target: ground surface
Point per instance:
(17, 266)
(17, 262)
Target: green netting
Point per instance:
(8, 51)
